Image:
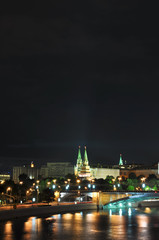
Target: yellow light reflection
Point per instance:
(143, 227)
(8, 231)
(91, 216)
(67, 216)
(142, 221)
(118, 227)
(78, 216)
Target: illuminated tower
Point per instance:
(121, 160)
(85, 170)
(79, 162)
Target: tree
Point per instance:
(152, 182)
(132, 182)
(132, 175)
(72, 177)
(47, 195)
(130, 188)
(109, 179)
(151, 176)
(23, 177)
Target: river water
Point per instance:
(112, 224)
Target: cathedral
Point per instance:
(82, 168)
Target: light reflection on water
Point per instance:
(112, 224)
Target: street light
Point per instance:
(114, 186)
(119, 179)
(27, 193)
(143, 179)
(9, 189)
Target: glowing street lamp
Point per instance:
(78, 181)
(119, 179)
(143, 179)
(69, 180)
(143, 185)
(9, 189)
(54, 181)
(114, 187)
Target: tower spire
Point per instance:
(79, 153)
(79, 162)
(121, 160)
(85, 160)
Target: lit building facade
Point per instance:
(4, 177)
(31, 171)
(104, 172)
(56, 169)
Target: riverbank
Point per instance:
(45, 210)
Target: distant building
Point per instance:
(4, 177)
(31, 171)
(56, 169)
(145, 171)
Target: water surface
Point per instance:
(111, 224)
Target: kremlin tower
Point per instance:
(85, 168)
(121, 160)
(79, 163)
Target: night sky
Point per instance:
(79, 73)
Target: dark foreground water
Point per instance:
(119, 224)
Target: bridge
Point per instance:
(110, 199)
(136, 200)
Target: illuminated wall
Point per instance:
(103, 172)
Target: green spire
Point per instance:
(85, 161)
(121, 160)
(79, 154)
(79, 158)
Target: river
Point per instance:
(112, 224)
